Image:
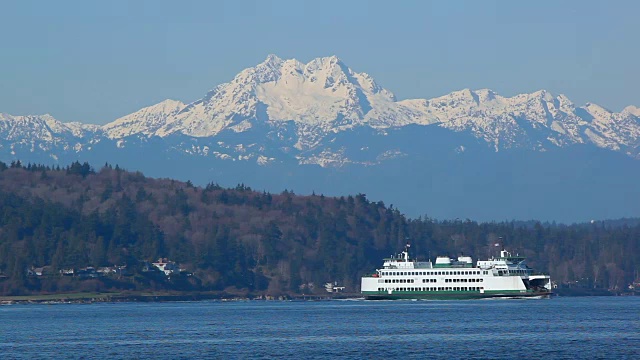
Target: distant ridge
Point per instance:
(325, 96)
(321, 126)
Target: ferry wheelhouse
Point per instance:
(404, 278)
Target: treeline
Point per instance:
(241, 240)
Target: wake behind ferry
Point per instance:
(503, 276)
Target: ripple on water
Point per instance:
(577, 328)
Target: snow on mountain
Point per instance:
(145, 121)
(305, 105)
(321, 97)
(43, 127)
(43, 133)
(325, 96)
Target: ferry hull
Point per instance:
(453, 295)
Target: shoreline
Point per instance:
(90, 298)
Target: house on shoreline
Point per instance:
(167, 266)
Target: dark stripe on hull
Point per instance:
(450, 296)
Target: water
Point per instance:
(559, 328)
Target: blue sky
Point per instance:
(93, 61)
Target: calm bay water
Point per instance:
(559, 328)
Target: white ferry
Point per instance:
(405, 278)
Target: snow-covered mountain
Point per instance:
(145, 121)
(324, 97)
(282, 115)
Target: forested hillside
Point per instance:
(245, 241)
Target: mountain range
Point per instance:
(323, 127)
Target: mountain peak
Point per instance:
(272, 59)
(145, 121)
(633, 110)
